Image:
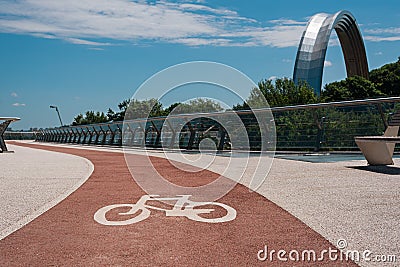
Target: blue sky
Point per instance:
(91, 54)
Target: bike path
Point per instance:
(32, 181)
(68, 235)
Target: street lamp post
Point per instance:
(58, 114)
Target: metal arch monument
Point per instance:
(311, 53)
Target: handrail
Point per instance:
(319, 130)
(9, 119)
(243, 112)
(340, 103)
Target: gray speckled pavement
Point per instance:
(340, 200)
(32, 181)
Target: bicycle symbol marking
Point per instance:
(183, 207)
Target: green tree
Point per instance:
(143, 108)
(169, 109)
(90, 117)
(118, 116)
(387, 78)
(351, 88)
(136, 109)
(198, 105)
(283, 92)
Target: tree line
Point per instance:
(134, 109)
(382, 82)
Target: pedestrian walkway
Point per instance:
(68, 234)
(344, 200)
(32, 181)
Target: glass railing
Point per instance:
(13, 135)
(314, 127)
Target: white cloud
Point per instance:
(85, 42)
(104, 22)
(273, 78)
(391, 34)
(203, 41)
(382, 38)
(196, 7)
(96, 48)
(288, 22)
(14, 94)
(118, 19)
(390, 30)
(200, 1)
(286, 60)
(19, 105)
(334, 40)
(328, 63)
(275, 36)
(380, 53)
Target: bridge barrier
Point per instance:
(312, 127)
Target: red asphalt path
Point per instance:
(67, 234)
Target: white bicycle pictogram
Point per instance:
(183, 207)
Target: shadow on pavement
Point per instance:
(390, 170)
